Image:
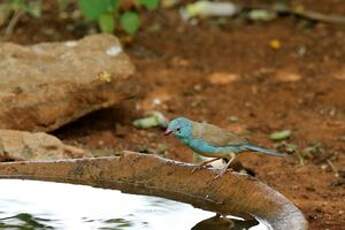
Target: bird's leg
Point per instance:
(232, 158)
(202, 164)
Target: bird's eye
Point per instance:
(178, 129)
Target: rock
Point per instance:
(45, 86)
(22, 145)
(221, 79)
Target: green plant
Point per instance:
(14, 9)
(109, 15)
(32, 7)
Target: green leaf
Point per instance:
(17, 5)
(262, 15)
(149, 4)
(130, 22)
(280, 135)
(93, 9)
(34, 8)
(106, 23)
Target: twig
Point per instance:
(335, 170)
(13, 22)
(336, 19)
(308, 14)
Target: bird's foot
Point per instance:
(198, 168)
(203, 164)
(227, 166)
(223, 172)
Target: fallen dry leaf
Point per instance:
(221, 79)
(287, 76)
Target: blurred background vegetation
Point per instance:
(108, 14)
(125, 15)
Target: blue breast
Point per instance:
(201, 146)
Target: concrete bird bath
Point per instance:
(135, 173)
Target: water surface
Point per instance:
(26, 204)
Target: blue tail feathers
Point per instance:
(259, 149)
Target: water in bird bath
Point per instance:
(26, 204)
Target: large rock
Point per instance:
(21, 145)
(45, 86)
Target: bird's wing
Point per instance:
(215, 136)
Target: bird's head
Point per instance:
(181, 127)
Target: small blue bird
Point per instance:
(211, 141)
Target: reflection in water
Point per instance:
(221, 223)
(24, 221)
(47, 205)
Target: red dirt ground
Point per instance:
(300, 86)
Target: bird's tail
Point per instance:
(259, 149)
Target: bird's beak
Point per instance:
(167, 132)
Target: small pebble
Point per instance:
(114, 50)
(71, 43)
(233, 119)
(275, 44)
